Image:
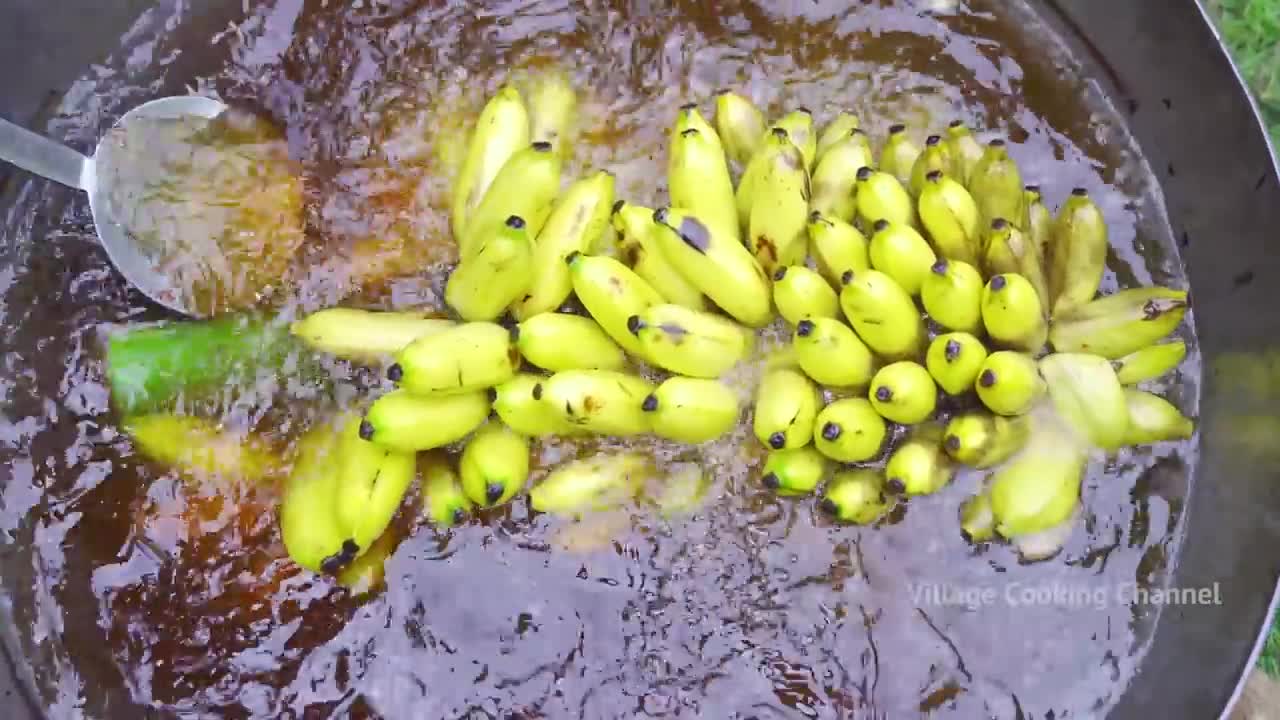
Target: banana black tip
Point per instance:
(987, 379)
(939, 268)
(880, 225)
(493, 492)
(1080, 192)
(896, 128)
(493, 395)
(395, 373)
(780, 273)
(829, 507)
(459, 515)
(542, 146)
(804, 328)
(689, 106)
(771, 481)
(571, 257)
(650, 403)
(635, 324)
(1032, 189)
(884, 393)
(999, 224)
(777, 441)
(515, 222)
(780, 133)
(952, 350)
(815, 216)
(933, 140)
(933, 176)
(956, 124)
(537, 391)
(998, 282)
(846, 277)
(617, 207)
(831, 431)
(366, 430)
(997, 143)
(864, 172)
(895, 486)
(689, 132)
(804, 110)
(953, 442)
(660, 216)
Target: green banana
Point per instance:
(200, 449)
(612, 293)
(903, 392)
(372, 481)
(965, 151)
(840, 127)
(899, 154)
(836, 246)
(498, 274)
(1009, 383)
(1153, 419)
(553, 110)
(881, 196)
(443, 501)
(691, 410)
(518, 403)
(526, 186)
(501, 130)
(309, 525)
(919, 466)
(901, 253)
(836, 176)
(740, 125)
(936, 157)
(698, 177)
(494, 465)
(952, 295)
(801, 293)
(558, 341)
(951, 217)
(605, 402)
(856, 496)
(786, 405)
(1037, 221)
(1119, 324)
(635, 226)
(955, 360)
(830, 353)
(402, 421)
(1079, 257)
(1088, 396)
(364, 335)
(981, 440)
(1011, 251)
(471, 356)
(1150, 362)
(799, 126)
(709, 257)
(690, 342)
(977, 521)
(996, 184)
(1037, 490)
(794, 472)
(780, 206)
(683, 492)
(882, 314)
(579, 219)
(598, 483)
(849, 430)
(1012, 313)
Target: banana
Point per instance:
(936, 157)
(836, 246)
(830, 353)
(443, 501)
(780, 206)
(1009, 383)
(579, 219)
(558, 341)
(1079, 257)
(903, 392)
(483, 285)
(836, 176)
(635, 226)
(745, 194)
(501, 130)
(740, 125)
(899, 154)
(364, 335)
(372, 481)
(1088, 396)
(856, 496)
(709, 257)
(368, 572)
(1119, 324)
(799, 126)
(1150, 362)
(901, 253)
(977, 521)
(1037, 490)
(952, 295)
(202, 450)
(794, 472)
(612, 293)
(955, 360)
(526, 186)
(691, 410)
(981, 440)
(801, 293)
(849, 430)
(1037, 221)
(919, 466)
(1153, 419)
(1046, 543)
(518, 403)
(690, 342)
(553, 110)
(598, 483)
(605, 402)
(1011, 251)
(309, 525)
(996, 184)
(494, 465)
(1012, 313)
(951, 217)
(684, 490)
(965, 151)
(698, 177)
(402, 421)
(471, 356)
(841, 126)
(881, 196)
(882, 314)
(786, 405)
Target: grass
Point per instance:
(1252, 30)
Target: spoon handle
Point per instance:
(43, 156)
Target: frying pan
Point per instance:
(1164, 67)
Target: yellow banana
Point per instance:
(1009, 383)
(494, 465)
(1153, 419)
(780, 206)
(899, 154)
(372, 481)
(977, 521)
(558, 341)
(1079, 255)
(605, 402)
(1150, 362)
(1119, 324)
(786, 405)
(201, 450)
(836, 246)
(882, 314)
(518, 403)
(841, 126)
(501, 130)
(836, 176)
(698, 174)
(367, 573)
(1046, 543)
(849, 430)
(981, 440)
(952, 295)
(612, 293)
(856, 496)
(919, 466)
(1037, 490)
(901, 253)
(710, 258)
(1012, 313)
(691, 410)
(955, 360)
(881, 196)
(403, 421)
(309, 525)
(964, 149)
(577, 221)
(526, 186)
(1087, 394)
(1037, 221)
(951, 217)
(830, 353)
(499, 273)
(690, 342)
(471, 356)
(996, 184)
(1009, 250)
(553, 110)
(936, 157)
(740, 124)
(634, 223)
(794, 472)
(799, 126)
(364, 335)
(443, 501)
(903, 392)
(802, 293)
(598, 483)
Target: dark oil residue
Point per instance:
(129, 585)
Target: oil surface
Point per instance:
(131, 585)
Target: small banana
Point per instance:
(919, 466)
(402, 421)
(977, 521)
(691, 410)
(471, 356)
(830, 353)
(698, 177)
(309, 525)
(612, 293)
(881, 196)
(605, 402)
(499, 273)
(367, 573)
(952, 295)
(443, 501)
(856, 496)
(901, 253)
(799, 126)
(836, 176)
(1037, 490)
(1150, 362)
(598, 483)
(740, 124)
(780, 206)
(553, 110)
(1079, 256)
(936, 157)
(903, 392)
(899, 154)
(526, 186)
(786, 405)
(981, 440)
(635, 226)
(849, 430)
(1011, 251)
(955, 360)
(1119, 324)
(710, 258)
(1012, 313)
(1046, 543)
(684, 490)
(364, 335)
(882, 314)
(494, 465)
(950, 216)
(558, 341)
(202, 450)
(1087, 394)
(1153, 419)
(1009, 383)
(964, 149)
(801, 293)
(518, 403)
(836, 246)
(690, 342)
(794, 472)
(996, 184)
(501, 130)
(372, 481)
(840, 127)
(1037, 221)
(577, 222)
